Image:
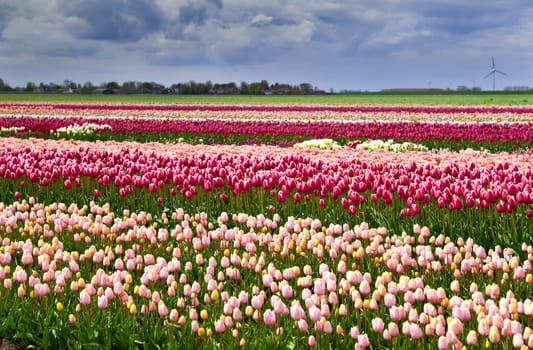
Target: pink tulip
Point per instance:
(442, 343)
(27, 259)
(319, 286)
(518, 340)
(455, 326)
(328, 328)
(195, 326)
(363, 340)
(85, 297)
(144, 291)
(286, 291)
(237, 314)
(415, 331)
(483, 327)
(396, 313)
(389, 300)
(455, 286)
(228, 321)
(41, 289)
(193, 314)
(311, 341)
(257, 301)
(314, 313)
(20, 275)
(461, 313)
(102, 302)
(364, 287)
(302, 325)
(409, 297)
(343, 310)
(162, 309)
(220, 327)
(269, 317)
(494, 334)
(296, 311)
(267, 280)
(393, 329)
(243, 297)
(378, 325)
(354, 332)
(174, 315)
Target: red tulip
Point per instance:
(68, 184)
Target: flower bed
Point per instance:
(382, 188)
(128, 244)
(506, 135)
(494, 128)
(243, 280)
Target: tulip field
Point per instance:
(283, 226)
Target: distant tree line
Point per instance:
(186, 88)
(202, 88)
(4, 86)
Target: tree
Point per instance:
(185, 88)
(305, 88)
(201, 88)
(113, 85)
(88, 85)
(193, 84)
(68, 84)
(30, 87)
(87, 88)
(255, 89)
(147, 88)
(264, 85)
(244, 88)
(4, 86)
(130, 87)
(209, 86)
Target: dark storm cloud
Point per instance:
(191, 13)
(115, 20)
(6, 13)
(187, 20)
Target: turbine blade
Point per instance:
(488, 75)
(493, 65)
(499, 71)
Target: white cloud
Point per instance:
(260, 20)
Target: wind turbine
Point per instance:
(493, 72)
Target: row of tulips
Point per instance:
(280, 107)
(282, 112)
(519, 134)
(494, 201)
(73, 276)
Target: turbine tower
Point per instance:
(493, 72)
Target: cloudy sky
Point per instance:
(332, 44)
